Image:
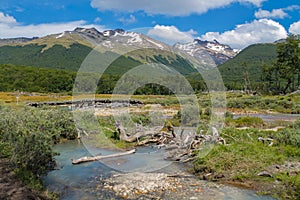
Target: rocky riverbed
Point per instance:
(95, 180)
(140, 185)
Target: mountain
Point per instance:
(12, 41)
(68, 49)
(212, 52)
(249, 61)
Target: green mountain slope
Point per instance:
(70, 58)
(250, 61)
(56, 57)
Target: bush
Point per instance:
(30, 134)
(289, 137)
(229, 114)
(249, 121)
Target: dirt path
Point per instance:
(11, 188)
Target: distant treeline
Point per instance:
(33, 79)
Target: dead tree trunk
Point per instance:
(90, 159)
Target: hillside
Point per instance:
(56, 57)
(68, 49)
(250, 61)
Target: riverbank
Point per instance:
(270, 167)
(11, 187)
(97, 180)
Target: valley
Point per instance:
(204, 120)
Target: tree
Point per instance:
(282, 75)
(288, 61)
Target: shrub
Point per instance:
(249, 121)
(228, 114)
(30, 134)
(289, 137)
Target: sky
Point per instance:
(238, 23)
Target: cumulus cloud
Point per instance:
(295, 28)
(6, 19)
(275, 13)
(258, 31)
(166, 7)
(171, 34)
(10, 28)
(129, 20)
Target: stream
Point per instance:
(272, 117)
(86, 181)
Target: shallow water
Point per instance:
(272, 117)
(85, 181)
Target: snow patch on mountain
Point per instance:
(61, 35)
(156, 44)
(220, 53)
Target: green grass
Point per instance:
(245, 157)
(264, 103)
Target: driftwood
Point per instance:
(79, 131)
(87, 103)
(95, 158)
(138, 133)
(263, 140)
(179, 148)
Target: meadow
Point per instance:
(28, 135)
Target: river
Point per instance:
(272, 117)
(85, 181)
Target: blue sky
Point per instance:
(238, 23)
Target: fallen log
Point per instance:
(147, 141)
(131, 138)
(95, 158)
(263, 140)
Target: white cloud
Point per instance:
(258, 31)
(129, 20)
(275, 13)
(295, 28)
(97, 19)
(166, 7)
(292, 7)
(171, 34)
(6, 19)
(10, 28)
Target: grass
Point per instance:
(245, 157)
(263, 104)
(240, 161)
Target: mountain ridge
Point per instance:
(91, 37)
(68, 49)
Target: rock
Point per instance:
(265, 174)
(206, 176)
(219, 176)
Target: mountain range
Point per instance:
(67, 50)
(79, 42)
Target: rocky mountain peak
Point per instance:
(108, 33)
(220, 53)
